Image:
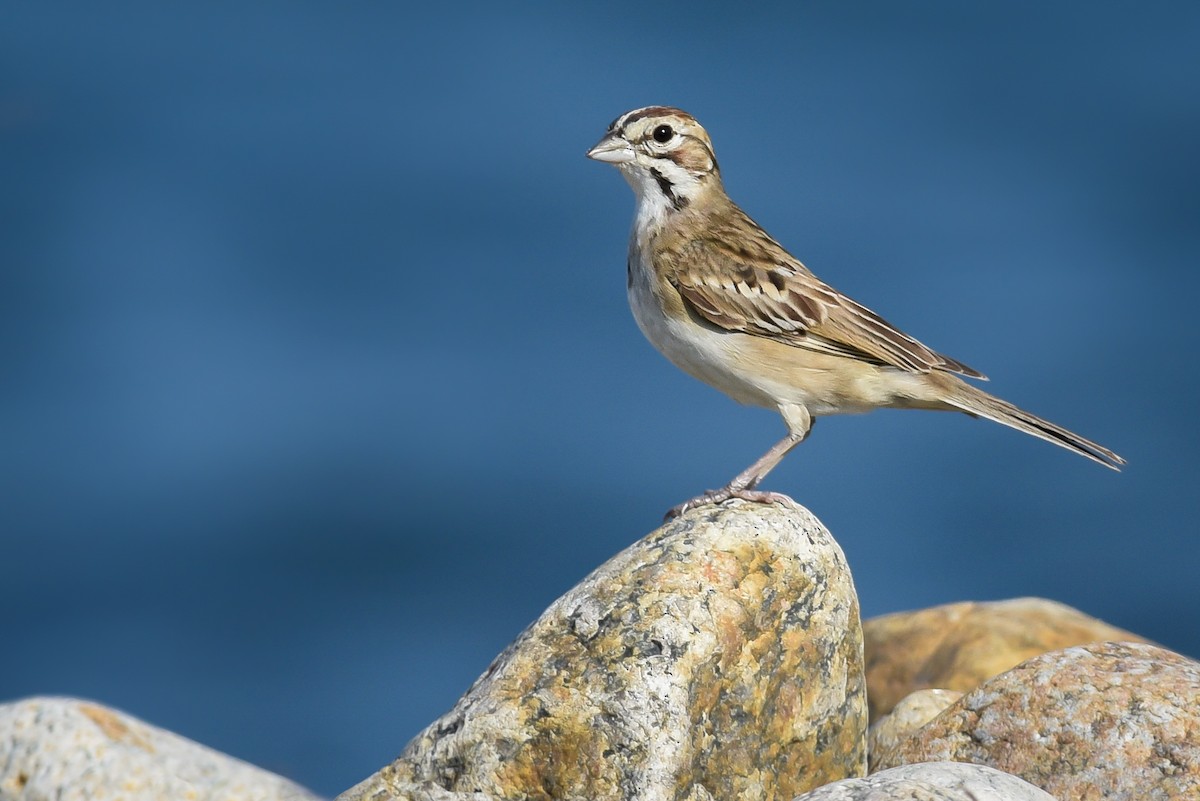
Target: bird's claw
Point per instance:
(714, 497)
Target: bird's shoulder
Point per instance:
(737, 276)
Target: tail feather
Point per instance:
(975, 401)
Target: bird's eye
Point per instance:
(662, 134)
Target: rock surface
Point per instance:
(959, 646)
(913, 712)
(1106, 721)
(70, 750)
(719, 657)
(931, 781)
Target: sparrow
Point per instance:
(730, 306)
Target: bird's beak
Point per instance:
(612, 149)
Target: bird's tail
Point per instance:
(974, 401)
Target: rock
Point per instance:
(913, 712)
(1110, 721)
(719, 657)
(959, 646)
(70, 750)
(931, 781)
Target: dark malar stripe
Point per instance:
(668, 189)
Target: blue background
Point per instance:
(319, 383)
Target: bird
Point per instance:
(727, 304)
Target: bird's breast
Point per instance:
(698, 349)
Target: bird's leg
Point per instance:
(748, 479)
(743, 485)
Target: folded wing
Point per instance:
(788, 303)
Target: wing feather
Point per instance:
(786, 302)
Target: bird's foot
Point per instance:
(725, 494)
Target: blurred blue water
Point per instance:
(318, 381)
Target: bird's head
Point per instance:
(664, 154)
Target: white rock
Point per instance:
(931, 781)
(914, 711)
(64, 749)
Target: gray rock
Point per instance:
(931, 781)
(1101, 722)
(64, 749)
(719, 657)
(913, 712)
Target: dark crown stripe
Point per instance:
(649, 111)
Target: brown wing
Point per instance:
(788, 303)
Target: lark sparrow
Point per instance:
(727, 304)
